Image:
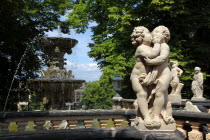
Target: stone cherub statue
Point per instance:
(150, 79)
(176, 72)
(197, 85)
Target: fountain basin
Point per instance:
(57, 91)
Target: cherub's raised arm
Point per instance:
(164, 53)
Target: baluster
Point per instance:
(4, 127)
(123, 106)
(179, 125)
(103, 123)
(72, 124)
(95, 124)
(88, 123)
(30, 126)
(110, 123)
(56, 124)
(118, 105)
(40, 125)
(132, 106)
(80, 124)
(22, 126)
(48, 125)
(126, 105)
(118, 122)
(208, 135)
(13, 127)
(195, 134)
(114, 106)
(64, 125)
(129, 106)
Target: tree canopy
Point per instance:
(187, 20)
(22, 22)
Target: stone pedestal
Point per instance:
(164, 127)
(198, 99)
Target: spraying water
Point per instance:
(14, 77)
(59, 31)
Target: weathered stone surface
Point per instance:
(13, 127)
(151, 77)
(95, 124)
(175, 95)
(190, 107)
(175, 98)
(197, 85)
(198, 99)
(80, 124)
(164, 127)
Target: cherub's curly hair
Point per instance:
(139, 33)
(166, 32)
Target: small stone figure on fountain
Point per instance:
(150, 79)
(197, 85)
(176, 72)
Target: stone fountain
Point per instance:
(56, 84)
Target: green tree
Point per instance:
(22, 22)
(187, 20)
(97, 96)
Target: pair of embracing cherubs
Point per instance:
(151, 76)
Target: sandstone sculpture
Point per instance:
(55, 69)
(190, 107)
(151, 77)
(197, 85)
(176, 72)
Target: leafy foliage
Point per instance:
(97, 96)
(187, 20)
(21, 22)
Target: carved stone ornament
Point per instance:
(175, 95)
(151, 78)
(197, 85)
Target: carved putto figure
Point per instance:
(176, 72)
(151, 77)
(175, 83)
(197, 85)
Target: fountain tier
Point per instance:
(57, 91)
(56, 84)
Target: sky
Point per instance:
(83, 67)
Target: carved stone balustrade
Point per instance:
(194, 125)
(37, 121)
(196, 120)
